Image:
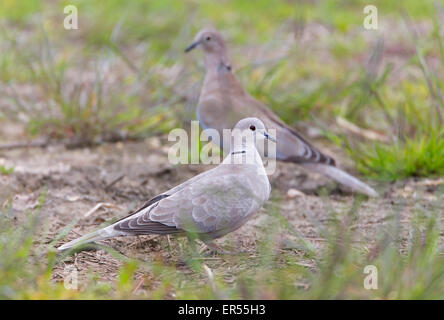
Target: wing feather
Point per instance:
(225, 110)
(213, 202)
(141, 224)
(292, 146)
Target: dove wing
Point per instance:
(214, 202)
(223, 111)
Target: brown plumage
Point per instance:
(223, 101)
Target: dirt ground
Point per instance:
(125, 175)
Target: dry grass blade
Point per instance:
(437, 100)
(101, 205)
(365, 133)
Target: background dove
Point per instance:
(210, 204)
(223, 101)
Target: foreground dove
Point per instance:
(223, 102)
(209, 205)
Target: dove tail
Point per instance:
(342, 177)
(91, 237)
(115, 229)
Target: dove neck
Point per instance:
(242, 145)
(217, 63)
(245, 154)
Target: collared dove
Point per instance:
(223, 101)
(209, 205)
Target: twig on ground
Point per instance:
(210, 276)
(24, 144)
(100, 205)
(109, 185)
(365, 133)
(71, 143)
(139, 284)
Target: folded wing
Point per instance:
(215, 203)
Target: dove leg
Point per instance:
(192, 243)
(217, 249)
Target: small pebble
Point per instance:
(293, 193)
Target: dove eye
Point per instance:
(252, 128)
(208, 38)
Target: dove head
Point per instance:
(249, 129)
(209, 40)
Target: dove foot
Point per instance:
(215, 249)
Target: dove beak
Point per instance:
(192, 46)
(269, 137)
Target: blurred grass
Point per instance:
(420, 156)
(408, 257)
(4, 170)
(123, 75)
